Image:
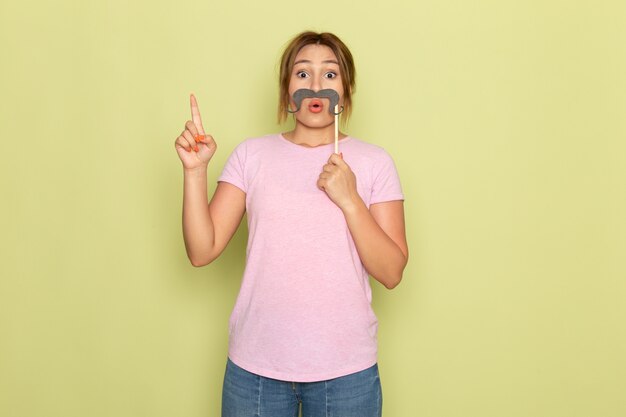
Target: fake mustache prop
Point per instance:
(328, 93)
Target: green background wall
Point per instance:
(506, 122)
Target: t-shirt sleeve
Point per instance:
(386, 184)
(234, 169)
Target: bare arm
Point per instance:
(378, 233)
(379, 236)
(207, 228)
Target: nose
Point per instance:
(315, 84)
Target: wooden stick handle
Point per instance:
(336, 128)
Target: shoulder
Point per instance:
(372, 162)
(253, 144)
(266, 140)
(369, 152)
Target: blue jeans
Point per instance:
(250, 395)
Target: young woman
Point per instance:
(302, 330)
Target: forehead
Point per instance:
(315, 53)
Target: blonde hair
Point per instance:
(346, 67)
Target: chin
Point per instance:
(316, 124)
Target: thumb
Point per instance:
(337, 159)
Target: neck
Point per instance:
(312, 136)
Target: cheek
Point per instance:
(296, 83)
(293, 87)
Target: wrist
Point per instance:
(195, 172)
(353, 205)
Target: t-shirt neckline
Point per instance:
(312, 148)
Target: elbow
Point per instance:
(200, 262)
(390, 279)
(394, 278)
(393, 282)
(197, 263)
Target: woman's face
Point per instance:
(316, 68)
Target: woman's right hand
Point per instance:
(195, 148)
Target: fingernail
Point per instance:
(196, 148)
(198, 138)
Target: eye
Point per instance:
(301, 74)
(330, 75)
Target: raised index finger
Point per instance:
(195, 115)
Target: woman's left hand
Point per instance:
(339, 182)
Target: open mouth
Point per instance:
(316, 106)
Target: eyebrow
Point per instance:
(306, 61)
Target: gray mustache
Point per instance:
(328, 93)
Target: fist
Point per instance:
(338, 181)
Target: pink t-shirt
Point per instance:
(303, 312)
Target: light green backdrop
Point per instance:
(506, 122)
